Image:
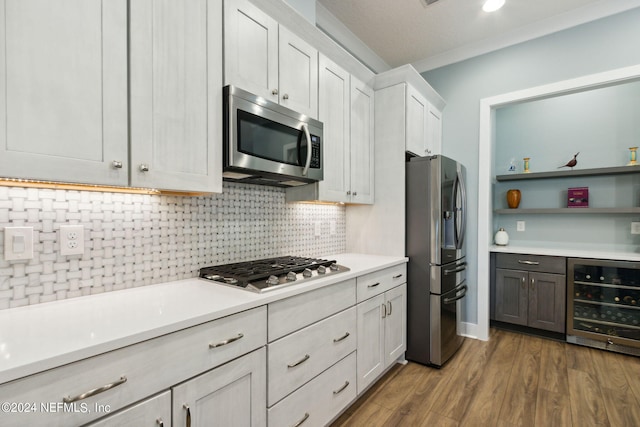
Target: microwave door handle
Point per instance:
(305, 129)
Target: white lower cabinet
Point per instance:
(382, 330)
(231, 395)
(321, 399)
(152, 412)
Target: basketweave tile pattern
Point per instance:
(134, 240)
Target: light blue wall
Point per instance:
(598, 46)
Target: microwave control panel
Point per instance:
(315, 152)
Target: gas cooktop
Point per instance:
(271, 273)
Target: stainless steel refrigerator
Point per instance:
(436, 282)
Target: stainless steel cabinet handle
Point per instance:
(274, 92)
(160, 422)
(384, 310)
(338, 391)
(533, 283)
(344, 337)
(527, 262)
(390, 308)
(374, 285)
(116, 164)
(95, 391)
(285, 96)
(524, 282)
(398, 276)
(227, 341)
(299, 423)
(299, 362)
(144, 168)
(186, 408)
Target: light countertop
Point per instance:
(580, 251)
(43, 336)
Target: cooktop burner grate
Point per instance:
(258, 275)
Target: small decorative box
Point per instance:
(578, 197)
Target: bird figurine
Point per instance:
(571, 163)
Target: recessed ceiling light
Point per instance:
(492, 5)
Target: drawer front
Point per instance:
(296, 358)
(320, 400)
(148, 367)
(542, 263)
(291, 314)
(148, 413)
(378, 282)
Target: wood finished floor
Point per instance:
(510, 380)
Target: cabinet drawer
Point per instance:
(148, 413)
(321, 399)
(148, 367)
(290, 314)
(296, 358)
(375, 283)
(542, 263)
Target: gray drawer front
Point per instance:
(542, 263)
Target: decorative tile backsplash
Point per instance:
(134, 240)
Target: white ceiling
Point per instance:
(404, 31)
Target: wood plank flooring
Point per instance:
(511, 380)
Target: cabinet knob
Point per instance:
(349, 193)
(144, 168)
(285, 96)
(274, 92)
(116, 164)
(355, 193)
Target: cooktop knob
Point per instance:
(322, 269)
(212, 277)
(306, 273)
(291, 277)
(334, 267)
(273, 280)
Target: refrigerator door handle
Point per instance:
(460, 227)
(463, 288)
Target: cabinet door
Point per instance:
(395, 328)
(511, 296)
(434, 131)
(417, 112)
(334, 108)
(176, 94)
(361, 142)
(547, 298)
(371, 346)
(298, 73)
(231, 395)
(153, 412)
(251, 49)
(63, 90)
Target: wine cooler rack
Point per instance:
(603, 304)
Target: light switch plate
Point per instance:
(18, 243)
(71, 240)
(317, 231)
(520, 226)
(332, 228)
(635, 228)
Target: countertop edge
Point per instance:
(567, 252)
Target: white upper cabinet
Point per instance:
(334, 112)
(362, 155)
(176, 92)
(63, 86)
(298, 72)
(251, 49)
(268, 60)
(424, 125)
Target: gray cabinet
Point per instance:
(530, 291)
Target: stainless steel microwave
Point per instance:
(266, 143)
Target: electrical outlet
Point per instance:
(520, 226)
(71, 240)
(635, 228)
(332, 228)
(317, 231)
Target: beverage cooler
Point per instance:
(603, 304)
